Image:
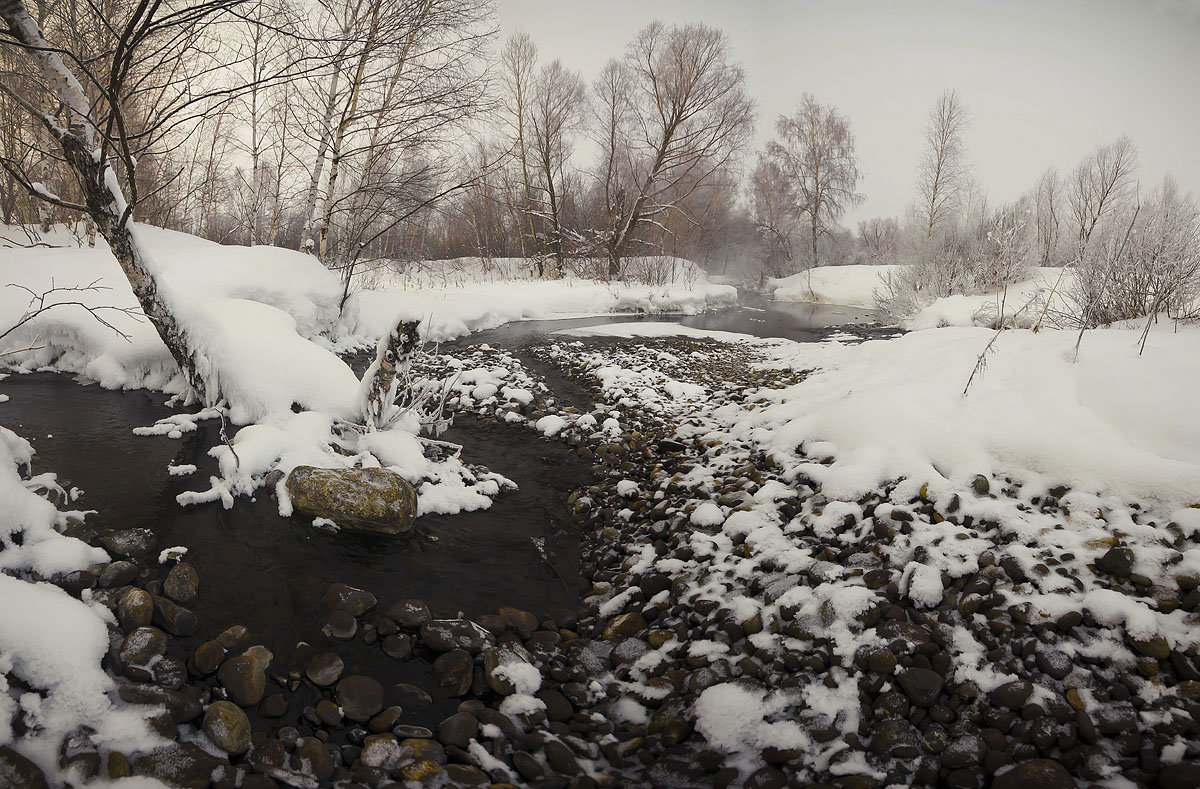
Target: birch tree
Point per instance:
(942, 174)
(815, 149)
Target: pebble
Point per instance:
(921, 685)
(129, 543)
(182, 584)
(409, 613)
(1035, 774)
(135, 609)
(458, 729)
(244, 680)
(349, 599)
(340, 625)
(227, 727)
(454, 671)
(443, 635)
(325, 669)
(360, 697)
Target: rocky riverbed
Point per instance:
(738, 627)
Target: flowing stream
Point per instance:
(270, 573)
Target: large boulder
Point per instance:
(371, 500)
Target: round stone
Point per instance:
(135, 609)
(921, 685)
(244, 679)
(325, 669)
(208, 657)
(1036, 774)
(182, 584)
(227, 727)
(361, 698)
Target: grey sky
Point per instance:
(1045, 82)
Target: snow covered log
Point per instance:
(381, 382)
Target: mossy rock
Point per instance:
(366, 500)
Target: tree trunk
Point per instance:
(104, 200)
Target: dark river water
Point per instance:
(270, 573)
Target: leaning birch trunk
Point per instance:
(104, 199)
(381, 382)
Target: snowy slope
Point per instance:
(852, 286)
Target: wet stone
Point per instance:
(354, 601)
(18, 772)
(233, 637)
(142, 645)
(244, 679)
(399, 647)
(273, 706)
(129, 543)
(409, 731)
(1012, 695)
(1036, 774)
(921, 685)
(561, 759)
(385, 720)
(135, 609)
(624, 626)
(227, 727)
(208, 657)
(409, 613)
(443, 635)
(361, 698)
(1117, 561)
(175, 619)
(458, 729)
(1053, 663)
(119, 573)
(312, 751)
(325, 669)
(182, 706)
(466, 775)
(454, 671)
(340, 625)
(182, 584)
(426, 749)
(410, 696)
(896, 738)
(328, 713)
(185, 765)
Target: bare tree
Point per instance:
(557, 97)
(815, 150)
(773, 209)
(684, 116)
(1100, 185)
(942, 175)
(1047, 197)
(518, 60)
(879, 239)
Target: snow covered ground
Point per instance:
(855, 286)
(852, 286)
(458, 297)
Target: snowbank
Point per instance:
(980, 309)
(457, 297)
(258, 313)
(49, 640)
(851, 286)
(1113, 422)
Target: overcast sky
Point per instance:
(1044, 82)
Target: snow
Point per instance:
(1112, 421)
(550, 425)
(49, 640)
(458, 297)
(283, 301)
(851, 286)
